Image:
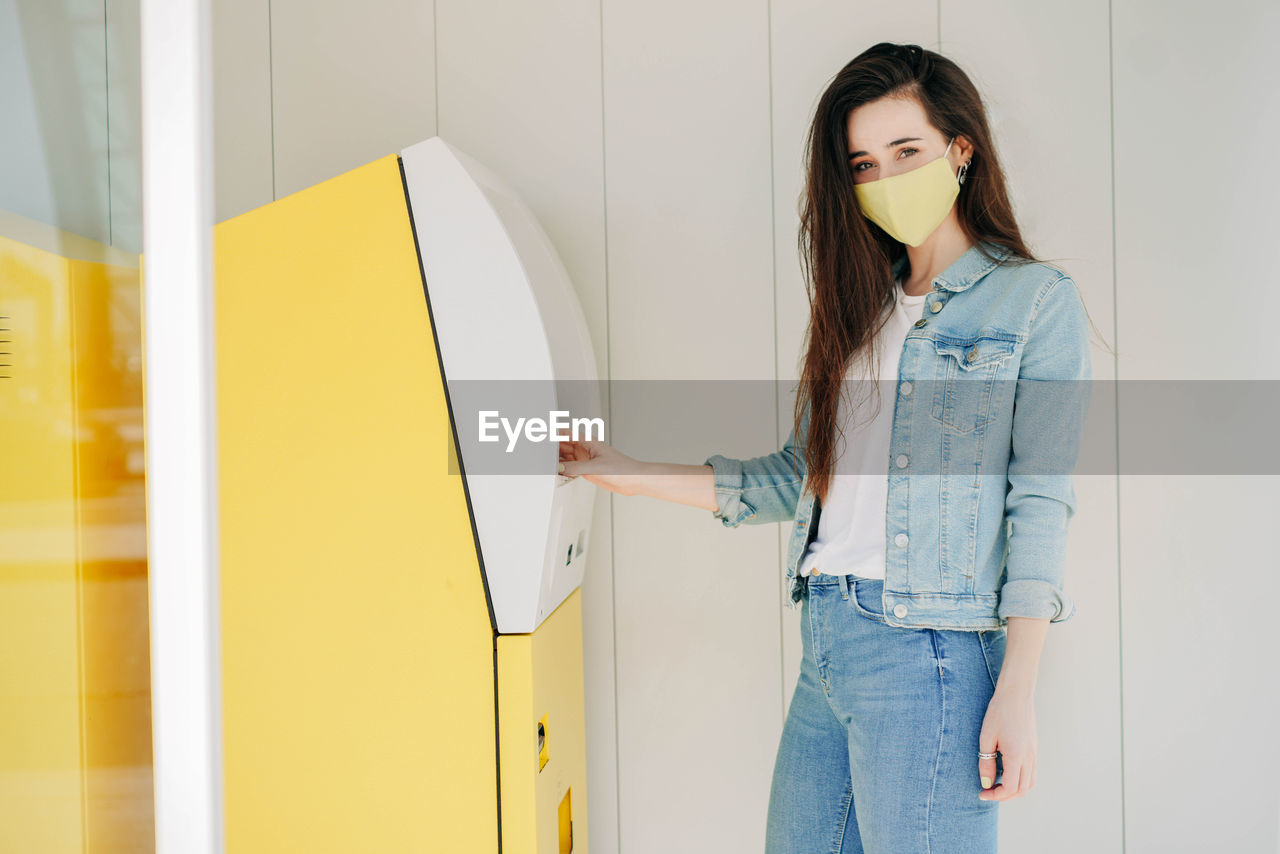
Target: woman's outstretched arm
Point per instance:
(610, 469)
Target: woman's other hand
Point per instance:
(1010, 722)
(1010, 728)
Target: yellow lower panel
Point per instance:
(542, 736)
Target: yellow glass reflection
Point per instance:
(75, 730)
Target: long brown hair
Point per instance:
(846, 259)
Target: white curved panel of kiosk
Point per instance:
(505, 309)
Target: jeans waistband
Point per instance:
(866, 592)
(825, 578)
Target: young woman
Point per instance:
(927, 550)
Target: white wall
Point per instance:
(660, 145)
(1200, 573)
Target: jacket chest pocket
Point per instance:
(965, 373)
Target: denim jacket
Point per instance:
(992, 394)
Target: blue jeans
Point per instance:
(879, 753)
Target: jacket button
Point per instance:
(973, 354)
(900, 540)
(919, 323)
(902, 461)
(936, 307)
(906, 388)
(899, 610)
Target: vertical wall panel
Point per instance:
(811, 41)
(686, 92)
(351, 82)
(1043, 72)
(242, 143)
(524, 99)
(1197, 117)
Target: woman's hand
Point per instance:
(1010, 723)
(609, 468)
(603, 465)
(1009, 727)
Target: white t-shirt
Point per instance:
(851, 532)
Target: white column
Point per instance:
(177, 192)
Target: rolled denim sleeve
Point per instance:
(761, 489)
(1051, 403)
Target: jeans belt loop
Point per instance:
(844, 586)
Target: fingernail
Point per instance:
(986, 782)
(561, 468)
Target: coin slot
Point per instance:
(543, 754)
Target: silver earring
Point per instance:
(964, 167)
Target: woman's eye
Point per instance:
(858, 167)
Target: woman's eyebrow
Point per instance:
(890, 144)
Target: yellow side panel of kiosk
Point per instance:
(357, 649)
(75, 737)
(543, 735)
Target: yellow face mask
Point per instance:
(911, 205)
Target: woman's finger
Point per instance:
(1009, 781)
(987, 767)
(570, 450)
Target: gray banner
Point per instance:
(1152, 427)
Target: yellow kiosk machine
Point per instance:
(401, 611)
(401, 607)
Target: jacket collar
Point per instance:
(965, 271)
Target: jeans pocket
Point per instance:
(992, 642)
(867, 600)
